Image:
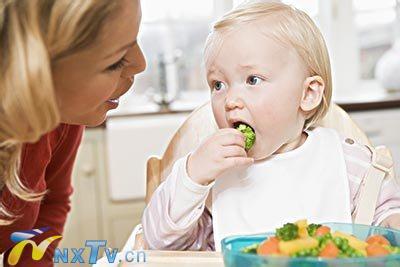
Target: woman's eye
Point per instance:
(218, 86)
(254, 80)
(117, 65)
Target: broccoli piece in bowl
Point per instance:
(248, 132)
(289, 231)
(312, 228)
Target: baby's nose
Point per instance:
(233, 104)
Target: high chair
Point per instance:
(201, 124)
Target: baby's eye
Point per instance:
(218, 85)
(253, 80)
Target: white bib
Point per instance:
(309, 182)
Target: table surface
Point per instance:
(179, 259)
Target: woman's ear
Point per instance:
(313, 90)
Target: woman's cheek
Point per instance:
(105, 88)
(123, 85)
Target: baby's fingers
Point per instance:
(238, 161)
(232, 138)
(233, 151)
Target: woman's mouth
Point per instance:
(113, 101)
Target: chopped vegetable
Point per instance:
(303, 232)
(309, 252)
(329, 251)
(312, 228)
(248, 133)
(322, 230)
(353, 241)
(301, 239)
(269, 247)
(376, 250)
(293, 246)
(378, 239)
(324, 239)
(393, 250)
(252, 249)
(288, 232)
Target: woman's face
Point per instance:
(90, 82)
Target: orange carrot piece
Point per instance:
(376, 250)
(330, 251)
(378, 239)
(322, 230)
(269, 246)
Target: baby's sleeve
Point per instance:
(358, 160)
(176, 217)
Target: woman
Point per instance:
(63, 65)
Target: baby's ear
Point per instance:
(313, 90)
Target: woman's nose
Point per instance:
(137, 63)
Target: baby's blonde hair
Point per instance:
(291, 26)
(34, 34)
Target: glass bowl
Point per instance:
(233, 257)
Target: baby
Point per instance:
(268, 68)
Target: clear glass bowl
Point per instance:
(233, 257)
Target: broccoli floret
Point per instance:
(289, 231)
(252, 249)
(248, 133)
(312, 228)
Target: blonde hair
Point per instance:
(291, 26)
(33, 35)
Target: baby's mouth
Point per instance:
(248, 132)
(236, 124)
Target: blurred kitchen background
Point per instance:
(110, 173)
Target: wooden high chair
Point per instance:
(200, 124)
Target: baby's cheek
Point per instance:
(219, 113)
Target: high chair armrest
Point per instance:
(136, 240)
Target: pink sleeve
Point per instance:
(176, 217)
(358, 160)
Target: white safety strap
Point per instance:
(369, 192)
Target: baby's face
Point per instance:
(257, 80)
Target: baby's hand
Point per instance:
(393, 221)
(220, 152)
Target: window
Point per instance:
(309, 6)
(159, 11)
(357, 33)
(377, 23)
(173, 32)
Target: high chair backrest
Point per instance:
(201, 124)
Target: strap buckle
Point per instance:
(380, 160)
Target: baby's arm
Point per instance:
(387, 212)
(358, 161)
(176, 218)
